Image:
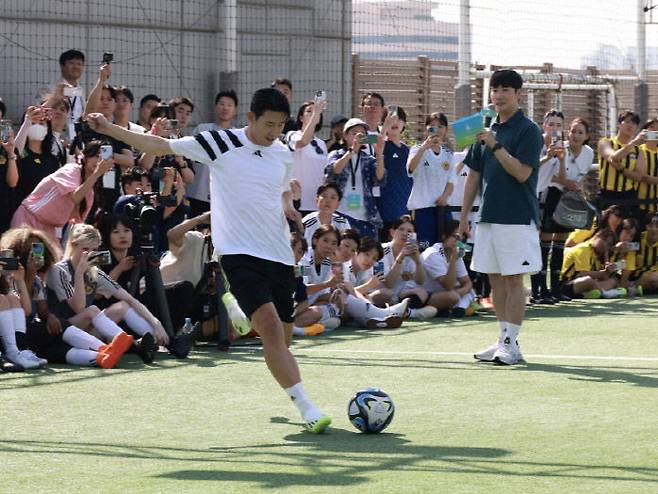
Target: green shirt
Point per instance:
(505, 200)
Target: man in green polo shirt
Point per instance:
(504, 165)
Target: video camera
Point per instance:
(143, 216)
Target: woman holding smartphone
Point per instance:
(65, 196)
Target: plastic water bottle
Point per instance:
(235, 314)
(188, 327)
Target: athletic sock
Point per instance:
(78, 356)
(20, 327)
(502, 325)
(106, 326)
(612, 293)
(361, 310)
(307, 409)
(545, 251)
(557, 257)
(513, 332)
(136, 322)
(80, 339)
(7, 331)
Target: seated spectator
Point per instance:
(44, 333)
(609, 219)
(328, 197)
(146, 106)
(74, 283)
(198, 191)
(356, 173)
(586, 271)
(335, 140)
(447, 280)
(65, 196)
(404, 271)
(309, 152)
(625, 252)
(395, 193)
(348, 245)
(431, 167)
(646, 259)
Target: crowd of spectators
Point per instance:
(106, 250)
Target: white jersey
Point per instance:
(576, 167)
(246, 184)
(356, 278)
(308, 169)
(436, 265)
(312, 223)
(431, 176)
(315, 273)
(199, 188)
(408, 266)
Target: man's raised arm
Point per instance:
(147, 143)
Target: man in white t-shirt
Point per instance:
(250, 171)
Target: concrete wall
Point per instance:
(178, 47)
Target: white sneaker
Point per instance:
(488, 354)
(26, 359)
(426, 312)
(508, 353)
(30, 354)
(399, 310)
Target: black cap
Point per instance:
(338, 119)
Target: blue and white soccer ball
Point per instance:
(371, 410)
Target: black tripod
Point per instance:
(213, 281)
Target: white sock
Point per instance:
(106, 326)
(503, 330)
(307, 409)
(80, 339)
(513, 332)
(7, 331)
(78, 356)
(466, 300)
(361, 310)
(612, 293)
(20, 324)
(297, 331)
(136, 322)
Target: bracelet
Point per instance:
(11, 157)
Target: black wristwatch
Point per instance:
(496, 147)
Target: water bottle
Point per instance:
(188, 327)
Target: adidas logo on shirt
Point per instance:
(395, 155)
(258, 153)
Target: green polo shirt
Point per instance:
(505, 200)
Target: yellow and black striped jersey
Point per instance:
(645, 190)
(580, 258)
(646, 259)
(612, 179)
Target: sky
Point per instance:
(568, 33)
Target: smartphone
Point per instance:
(432, 130)
(299, 270)
(106, 152)
(100, 258)
(464, 246)
(320, 96)
(634, 246)
(393, 110)
(336, 268)
(48, 112)
(412, 238)
(72, 92)
(108, 57)
(378, 268)
(38, 255)
(172, 124)
(652, 135)
(110, 179)
(370, 139)
(8, 263)
(5, 130)
(620, 265)
(556, 138)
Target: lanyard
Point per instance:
(354, 169)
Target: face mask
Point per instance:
(37, 132)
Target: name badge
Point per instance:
(353, 200)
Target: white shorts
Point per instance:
(506, 249)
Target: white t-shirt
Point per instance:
(133, 127)
(577, 168)
(360, 212)
(312, 223)
(436, 265)
(199, 188)
(354, 277)
(547, 171)
(431, 177)
(247, 181)
(308, 169)
(186, 262)
(408, 266)
(314, 274)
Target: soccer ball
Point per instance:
(371, 410)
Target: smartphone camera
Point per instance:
(370, 139)
(556, 138)
(320, 96)
(7, 260)
(38, 255)
(652, 135)
(433, 130)
(379, 268)
(5, 130)
(106, 152)
(412, 238)
(393, 110)
(108, 58)
(100, 258)
(172, 124)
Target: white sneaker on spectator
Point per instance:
(426, 312)
(399, 310)
(26, 359)
(508, 353)
(30, 354)
(384, 322)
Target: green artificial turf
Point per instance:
(217, 422)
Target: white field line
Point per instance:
(465, 354)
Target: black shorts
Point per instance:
(255, 282)
(553, 195)
(46, 345)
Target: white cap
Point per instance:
(353, 122)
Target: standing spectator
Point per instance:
(198, 191)
(123, 109)
(430, 166)
(72, 64)
(647, 191)
(372, 110)
(505, 170)
(395, 194)
(619, 173)
(65, 196)
(146, 106)
(356, 173)
(335, 140)
(8, 177)
(182, 109)
(309, 152)
(285, 86)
